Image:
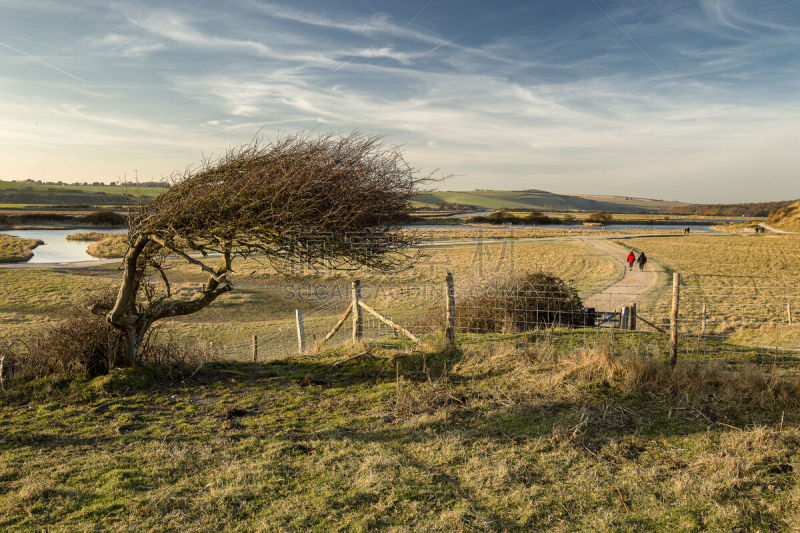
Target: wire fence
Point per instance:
(732, 323)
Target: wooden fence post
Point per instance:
(703, 321)
(358, 313)
(673, 319)
(789, 312)
(301, 335)
(255, 348)
(624, 317)
(450, 328)
(633, 317)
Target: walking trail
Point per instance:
(776, 230)
(631, 286)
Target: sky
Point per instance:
(692, 100)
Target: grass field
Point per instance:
(512, 434)
(558, 430)
(746, 283)
(36, 195)
(262, 299)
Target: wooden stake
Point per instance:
(450, 304)
(673, 319)
(633, 317)
(255, 348)
(358, 315)
(389, 322)
(703, 321)
(301, 336)
(651, 324)
(337, 326)
(623, 321)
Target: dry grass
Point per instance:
(787, 218)
(16, 249)
(264, 302)
(109, 247)
(510, 435)
(745, 282)
(92, 236)
(540, 232)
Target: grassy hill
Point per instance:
(13, 193)
(786, 218)
(543, 201)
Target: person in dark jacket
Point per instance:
(642, 261)
(631, 260)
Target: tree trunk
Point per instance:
(133, 319)
(126, 352)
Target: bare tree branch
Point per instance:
(326, 201)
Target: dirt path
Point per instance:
(776, 230)
(631, 286)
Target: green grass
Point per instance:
(515, 433)
(16, 249)
(543, 201)
(31, 194)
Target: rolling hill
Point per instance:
(537, 200)
(13, 193)
(787, 218)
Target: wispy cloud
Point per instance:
(125, 45)
(178, 28)
(518, 96)
(41, 61)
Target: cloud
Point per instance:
(729, 14)
(125, 45)
(576, 107)
(178, 28)
(41, 61)
(377, 25)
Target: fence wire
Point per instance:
(733, 323)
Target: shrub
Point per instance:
(81, 343)
(600, 217)
(497, 217)
(530, 301)
(103, 218)
(535, 217)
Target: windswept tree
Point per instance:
(332, 202)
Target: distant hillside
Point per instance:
(760, 209)
(26, 193)
(543, 201)
(786, 218)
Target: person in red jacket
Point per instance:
(631, 260)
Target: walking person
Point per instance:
(642, 261)
(631, 260)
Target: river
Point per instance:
(56, 247)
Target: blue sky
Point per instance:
(694, 100)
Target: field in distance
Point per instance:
(23, 194)
(533, 199)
